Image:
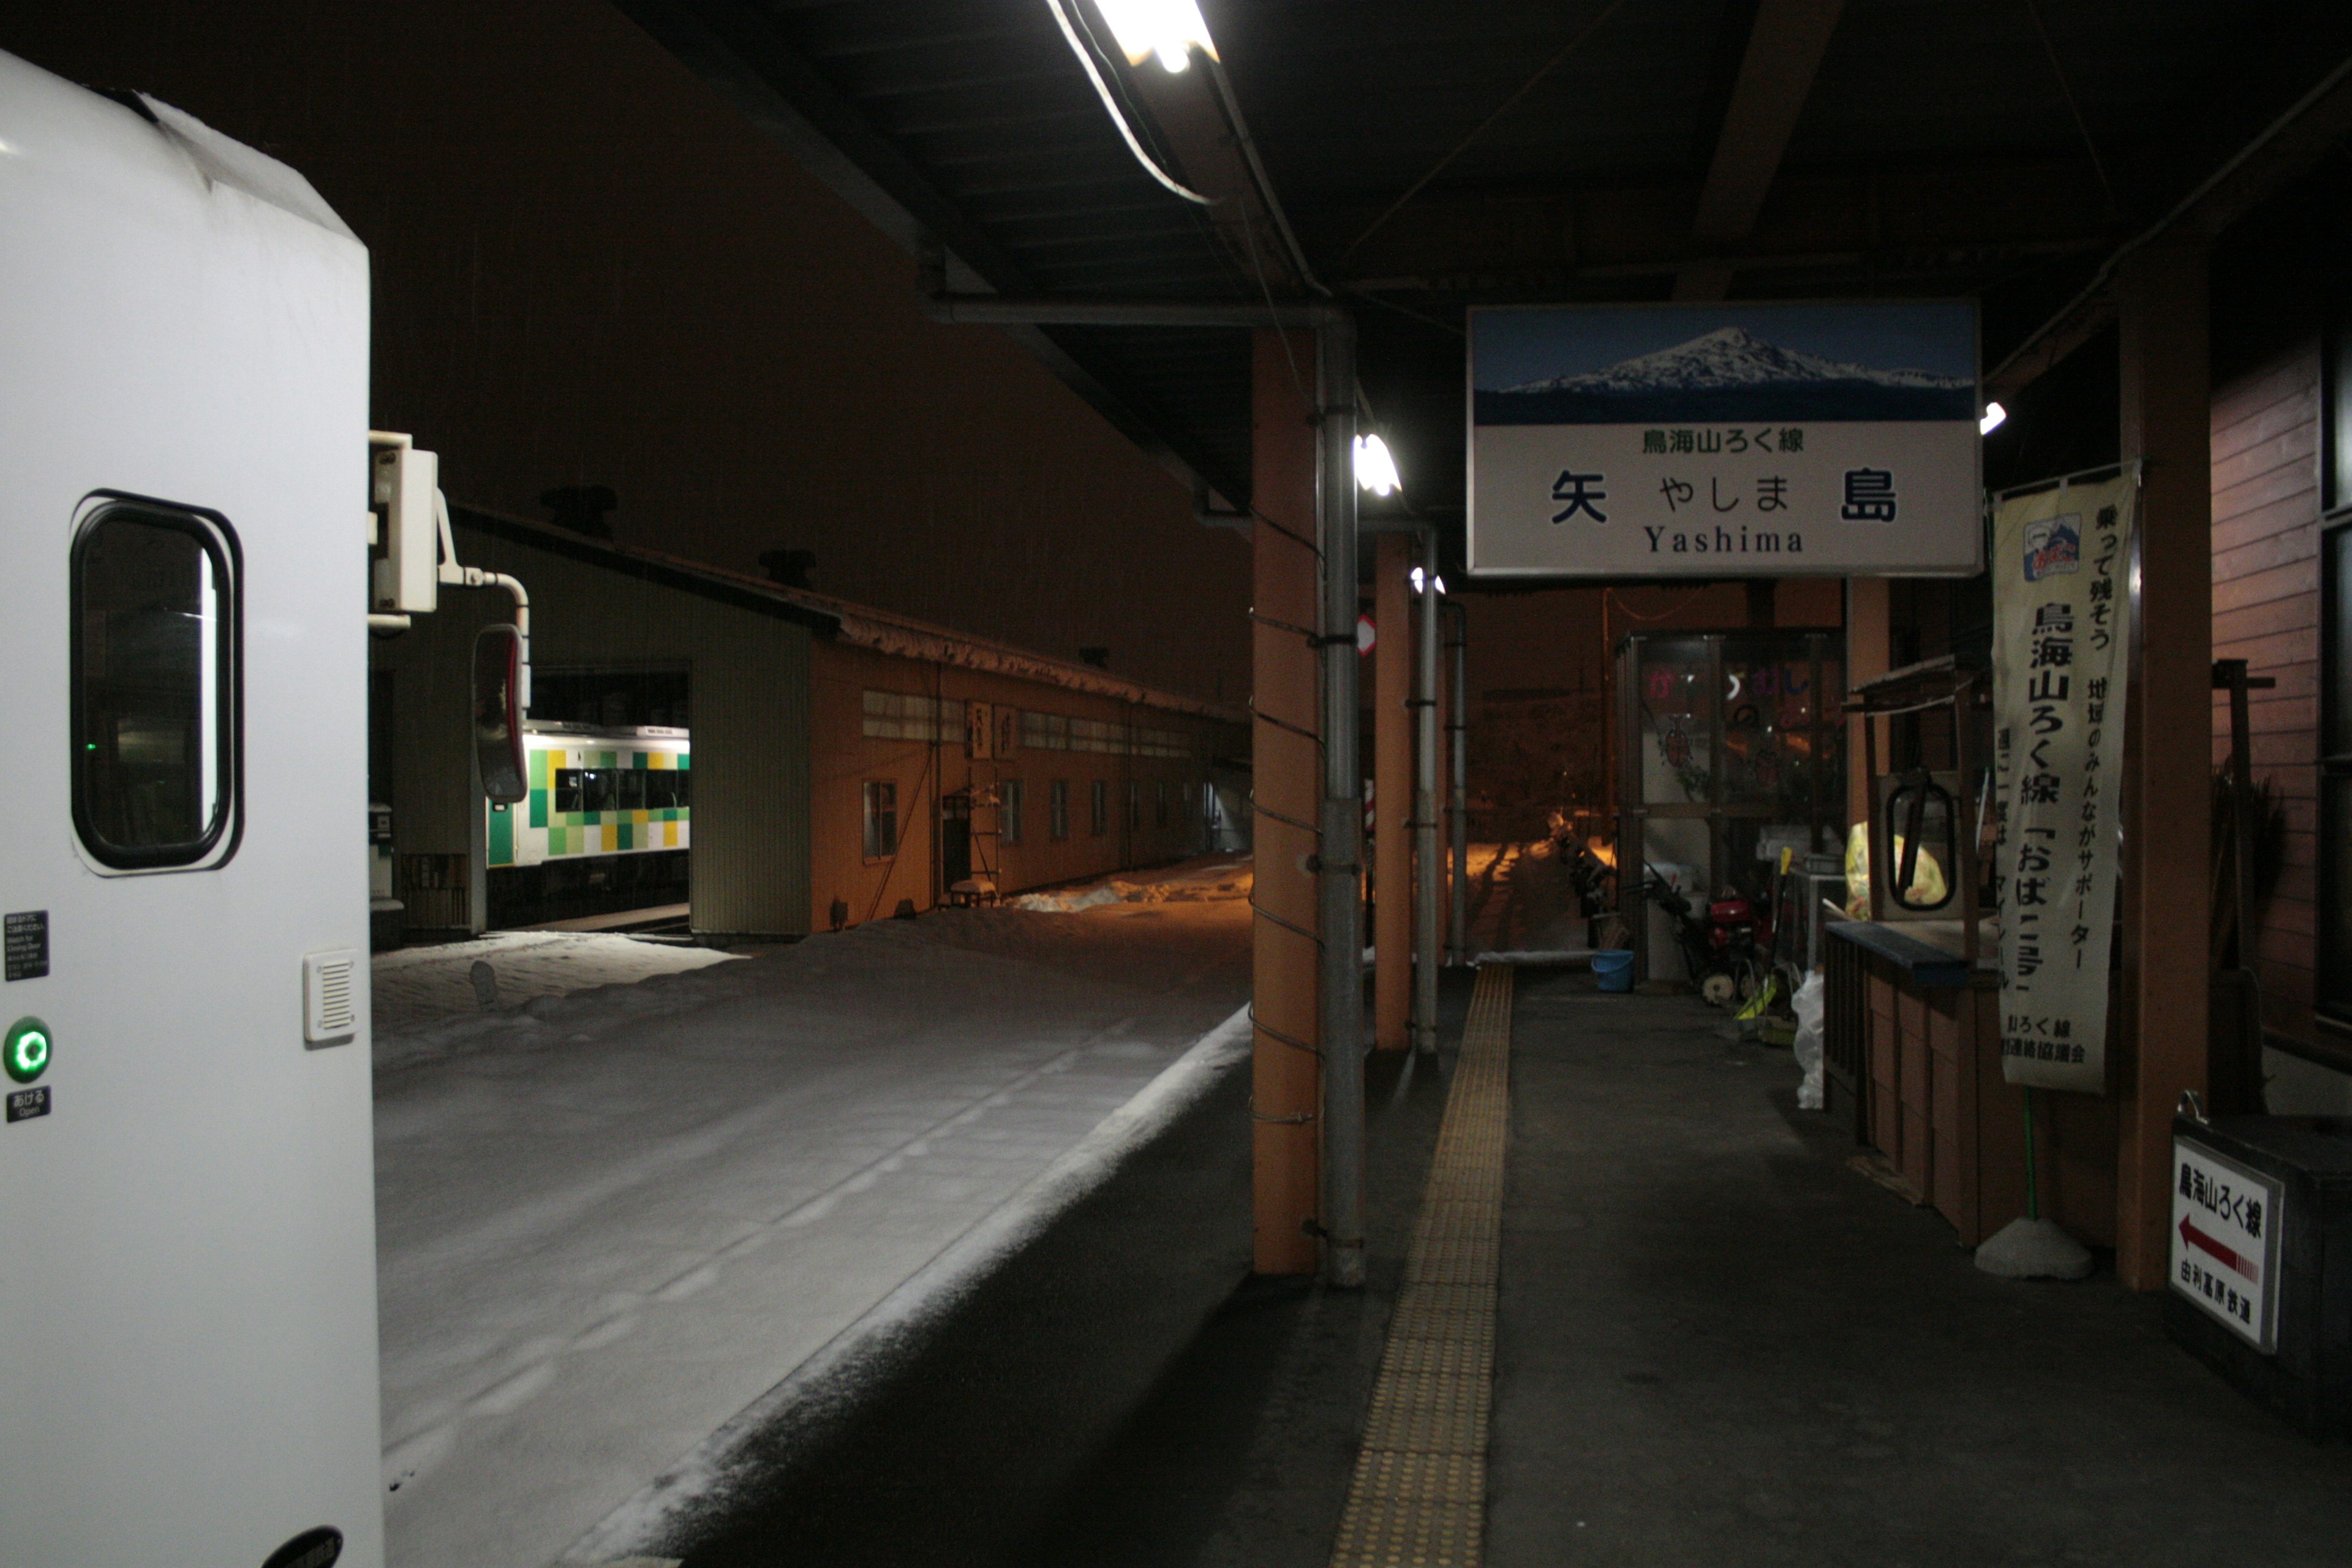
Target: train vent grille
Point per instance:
(329, 997)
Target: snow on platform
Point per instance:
(611, 1222)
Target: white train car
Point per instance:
(187, 1252)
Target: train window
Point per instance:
(603, 787)
(155, 644)
(569, 793)
(632, 788)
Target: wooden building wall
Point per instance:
(844, 758)
(2266, 611)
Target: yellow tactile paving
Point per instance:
(1418, 1494)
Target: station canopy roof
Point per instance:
(1428, 157)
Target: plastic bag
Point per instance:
(1809, 1004)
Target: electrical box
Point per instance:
(406, 553)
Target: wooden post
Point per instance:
(2166, 424)
(1867, 651)
(1391, 794)
(1286, 792)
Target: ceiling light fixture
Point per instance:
(1170, 29)
(1375, 470)
(1102, 91)
(1993, 415)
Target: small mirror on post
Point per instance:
(498, 714)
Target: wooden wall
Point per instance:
(2266, 611)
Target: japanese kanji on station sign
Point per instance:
(2062, 629)
(2226, 1221)
(1724, 440)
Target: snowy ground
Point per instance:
(608, 1222)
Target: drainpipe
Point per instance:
(1424, 702)
(1458, 807)
(1340, 860)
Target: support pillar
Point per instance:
(2166, 424)
(1285, 796)
(1868, 648)
(1391, 794)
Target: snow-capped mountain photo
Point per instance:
(1727, 374)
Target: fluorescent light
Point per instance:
(1169, 28)
(1375, 470)
(1993, 415)
(1420, 579)
(1441, 584)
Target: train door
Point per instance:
(187, 1252)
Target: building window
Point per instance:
(1101, 805)
(909, 716)
(155, 643)
(1009, 815)
(1134, 805)
(1057, 809)
(1160, 805)
(881, 816)
(2331, 974)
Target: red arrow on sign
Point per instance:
(2204, 1243)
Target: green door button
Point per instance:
(27, 1053)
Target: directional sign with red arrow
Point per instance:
(2227, 1220)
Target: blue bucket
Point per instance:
(1613, 967)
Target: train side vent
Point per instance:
(329, 997)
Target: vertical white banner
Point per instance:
(2061, 637)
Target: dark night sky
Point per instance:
(589, 269)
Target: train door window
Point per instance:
(1057, 809)
(155, 649)
(1009, 815)
(881, 819)
(1100, 803)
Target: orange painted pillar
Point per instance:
(1391, 794)
(1287, 794)
(2166, 422)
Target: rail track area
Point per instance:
(649, 1250)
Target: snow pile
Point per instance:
(1070, 900)
(415, 986)
(1192, 881)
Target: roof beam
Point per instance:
(1784, 53)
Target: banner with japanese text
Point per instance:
(2061, 636)
(1724, 440)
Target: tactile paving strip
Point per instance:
(1418, 1494)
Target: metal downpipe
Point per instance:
(1458, 804)
(1339, 864)
(1424, 805)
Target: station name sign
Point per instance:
(1729, 440)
